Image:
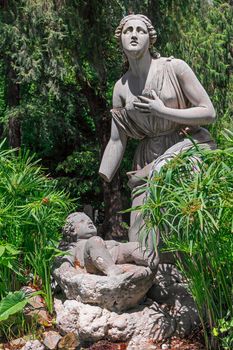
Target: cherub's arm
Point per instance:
(65, 264)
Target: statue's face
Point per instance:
(135, 38)
(84, 227)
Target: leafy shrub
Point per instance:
(225, 330)
(11, 304)
(8, 267)
(32, 214)
(83, 181)
(190, 202)
(12, 321)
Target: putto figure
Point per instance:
(92, 253)
(158, 101)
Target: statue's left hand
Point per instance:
(150, 105)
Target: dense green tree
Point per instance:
(59, 63)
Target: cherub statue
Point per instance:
(90, 252)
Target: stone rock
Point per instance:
(35, 309)
(51, 339)
(168, 274)
(165, 346)
(169, 311)
(92, 323)
(69, 342)
(171, 292)
(33, 345)
(115, 293)
(107, 345)
(36, 302)
(41, 316)
(19, 342)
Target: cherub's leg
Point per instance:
(132, 252)
(97, 258)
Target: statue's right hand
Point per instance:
(130, 104)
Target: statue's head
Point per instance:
(135, 33)
(78, 226)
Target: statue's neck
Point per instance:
(140, 66)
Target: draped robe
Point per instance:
(160, 138)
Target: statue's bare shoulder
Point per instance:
(118, 99)
(180, 67)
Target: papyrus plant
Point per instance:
(190, 203)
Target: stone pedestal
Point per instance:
(168, 310)
(115, 293)
(142, 324)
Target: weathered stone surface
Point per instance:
(170, 290)
(157, 132)
(69, 342)
(143, 323)
(33, 345)
(35, 302)
(170, 311)
(19, 342)
(40, 316)
(51, 339)
(35, 310)
(115, 293)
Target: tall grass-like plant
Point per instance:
(190, 202)
(32, 212)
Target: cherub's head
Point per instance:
(78, 226)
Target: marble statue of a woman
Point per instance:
(157, 101)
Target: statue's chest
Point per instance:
(160, 82)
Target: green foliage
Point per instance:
(9, 266)
(11, 304)
(190, 202)
(201, 34)
(32, 214)
(34, 37)
(42, 261)
(82, 167)
(32, 208)
(12, 320)
(2, 91)
(225, 331)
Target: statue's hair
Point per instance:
(144, 19)
(69, 228)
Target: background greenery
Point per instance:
(59, 62)
(58, 65)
